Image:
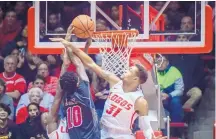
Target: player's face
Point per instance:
(33, 111)
(3, 114)
(39, 83)
(35, 97)
(130, 74)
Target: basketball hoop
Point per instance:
(117, 50)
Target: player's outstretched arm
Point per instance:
(111, 78)
(53, 114)
(79, 65)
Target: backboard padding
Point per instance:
(148, 47)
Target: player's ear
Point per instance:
(136, 78)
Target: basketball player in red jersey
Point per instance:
(125, 101)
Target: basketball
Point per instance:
(83, 26)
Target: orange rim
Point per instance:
(109, 34)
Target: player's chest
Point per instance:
(120, 100)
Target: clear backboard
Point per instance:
(161, 28)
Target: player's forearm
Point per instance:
(80, 68)
(83, 56)
(55, 108)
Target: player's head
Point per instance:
(69, 82)
(135, 75)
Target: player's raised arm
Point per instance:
(110, 77)
(52, 120)
(74, 59)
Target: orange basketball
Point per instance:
(83, 26)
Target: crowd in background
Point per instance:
(27, 78)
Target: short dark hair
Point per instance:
(142, 73)
(40, 77)
(5, 108)
(35, 104)
(68, 81)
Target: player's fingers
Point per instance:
(88, 42)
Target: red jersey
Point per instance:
(16, 82)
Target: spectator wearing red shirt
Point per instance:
(15, 83)
(10, 29)
(51, 81)
(35, 96)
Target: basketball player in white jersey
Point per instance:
(125, 102)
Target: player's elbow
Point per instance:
(142, 106)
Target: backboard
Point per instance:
(161, 28)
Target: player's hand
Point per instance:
(69, 32)
(66, 60)
(63, 41)
(88, 43)
(70, 29)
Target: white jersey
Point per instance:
(119, 112)
(61, 132)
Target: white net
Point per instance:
(116, 50)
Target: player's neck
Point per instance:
(129, 87)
